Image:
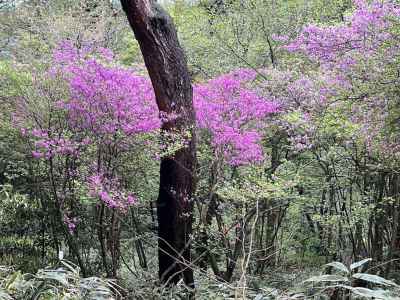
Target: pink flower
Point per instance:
(131, 199)
(234, 115)
(36, 154)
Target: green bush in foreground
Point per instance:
(63, 282)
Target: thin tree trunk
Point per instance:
(167, 67)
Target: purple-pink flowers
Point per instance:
(104, 100)
(109, 191)
(341, 46)
(108, 107)
(234, 114)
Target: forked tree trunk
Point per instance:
(167, 67)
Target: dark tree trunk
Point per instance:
(167, 67)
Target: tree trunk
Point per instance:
(167, 67)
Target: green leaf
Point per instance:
(327, 278)
(368, 293)
(359, 263)
(339, 266)
(374, 279)
(70, 266)
(12, 279)
(59, 276)
(5, 296)
(298, 296)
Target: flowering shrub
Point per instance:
(339, 46)
(107, 107)
(348, 92)
(109, 112)
(234, 115)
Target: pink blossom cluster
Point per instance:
(339, 46)
(105, 100)
(109, 191)
(234, 114)
(71, 223)
(46, 146)
(354, 61)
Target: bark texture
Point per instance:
(167, 67)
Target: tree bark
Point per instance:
(167, 67)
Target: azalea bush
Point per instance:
(82, 142)
(94, 117)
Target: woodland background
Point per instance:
(298, 150)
